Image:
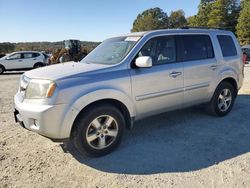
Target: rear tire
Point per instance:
(222, 101)
(2, 69)
(98, 131)
(38, 65)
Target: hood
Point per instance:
(2, 58)
(59, 71)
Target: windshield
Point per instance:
(111, 51)
(7, 55)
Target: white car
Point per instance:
(22, 60)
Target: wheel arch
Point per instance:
(233, 82)
(116, 103)
(38, 63)
(109, 96)
(230, 76)
(2, 66)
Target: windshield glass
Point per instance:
(111, 51)
(67, 44)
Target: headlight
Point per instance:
(39, 89)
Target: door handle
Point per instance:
(175, 74)
(34, 59)
(213, 67)
(20, 60)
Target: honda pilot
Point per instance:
(127, 78)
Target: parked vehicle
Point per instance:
(2, 55)
(72, 51)
(128, 78)
(246, 50)
(22, 60)
(46, 58)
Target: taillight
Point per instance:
(243, 66)
(244, 61)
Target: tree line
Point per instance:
(48, 47)
(233, 15)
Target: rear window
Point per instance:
(35, 54)
(227, 45)
(27, 55)
(196, 47)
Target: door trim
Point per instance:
(172, 91)
(158, 94)
(197, 86)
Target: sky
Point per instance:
(92, 20)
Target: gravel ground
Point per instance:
(185, 148)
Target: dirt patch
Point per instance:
(185, 148)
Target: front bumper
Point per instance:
(46, 120)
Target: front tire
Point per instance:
(223, 100)
(1, 69)
(98, 131)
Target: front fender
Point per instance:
(89, 98)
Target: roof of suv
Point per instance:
(26, 52)
(179, 31)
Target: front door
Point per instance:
(160, 87)
(14, 61)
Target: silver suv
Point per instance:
(127, 78)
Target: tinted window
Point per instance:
(27, 55)
(35, 54)
(160, 49)
(227, 45)
(45, 55)
(196, 47)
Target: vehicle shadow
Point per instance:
(179, 141)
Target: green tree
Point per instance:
(150, 19)
(243, 26)
(6, 47)
(177, 19)
(216, 13)
(224, 14)
(233, 16)
(201, 19)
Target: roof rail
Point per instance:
(200, 27)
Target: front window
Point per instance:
(14, 56)
(160, 49)
(111, 51)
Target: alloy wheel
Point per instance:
(102, 132)
(224, 100)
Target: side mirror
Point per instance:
(143, 62)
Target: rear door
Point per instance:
(38, 58)
(28, 60)
(160, 87)
(199, 67)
